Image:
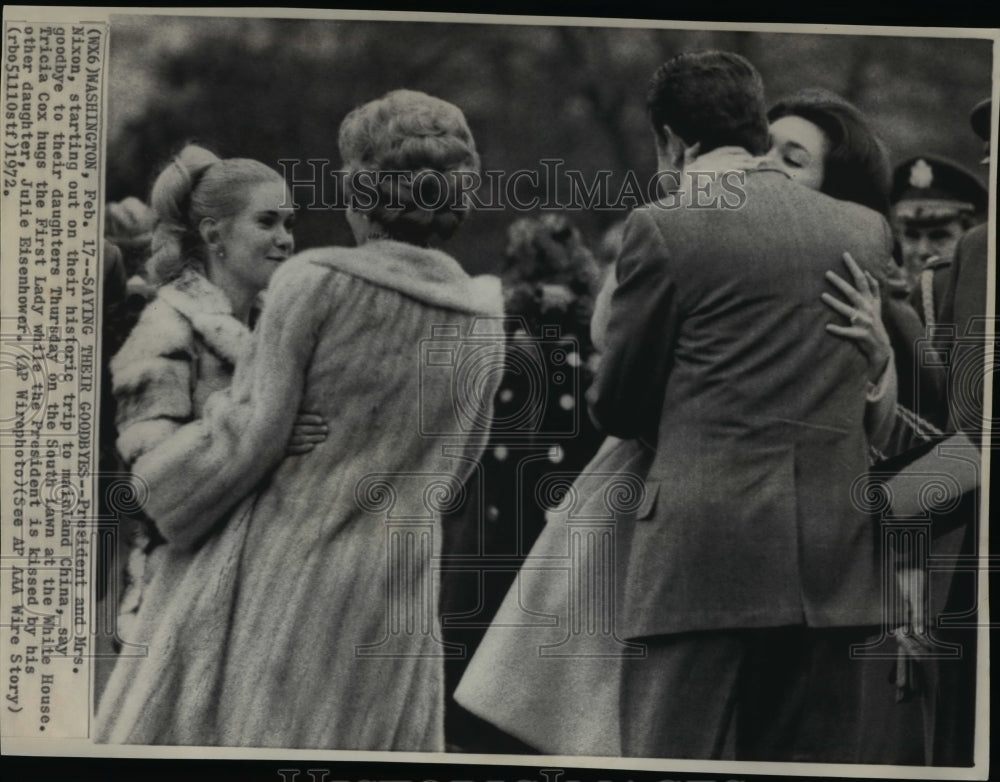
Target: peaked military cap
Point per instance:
(930, 187)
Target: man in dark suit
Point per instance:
(747, 547)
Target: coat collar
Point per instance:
(424, 274)
(209, 311)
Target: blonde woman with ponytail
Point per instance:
(222, 229)
(309, 618)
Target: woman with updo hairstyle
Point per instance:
(221, 228)
(197, 186)
(409, 163)
(307, 616)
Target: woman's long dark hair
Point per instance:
(856, 167)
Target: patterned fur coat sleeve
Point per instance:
(184, 346)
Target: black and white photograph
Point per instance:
(497, 389)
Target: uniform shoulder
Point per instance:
(975, 239)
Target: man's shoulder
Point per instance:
(974, 241)
(769, 183)
(820, 215)
(769, 205)
(757, 191)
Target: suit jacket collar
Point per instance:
(715, 164)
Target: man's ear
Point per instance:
(669, 150)
(663, 138)
(691, 153)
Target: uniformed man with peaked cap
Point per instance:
(934, 201)
(938, 725)
(959, 301)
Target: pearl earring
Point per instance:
(221, 252)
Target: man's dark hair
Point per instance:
(715, 98)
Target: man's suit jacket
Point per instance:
(717, 350)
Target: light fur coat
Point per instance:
(275, 618)
(183, 348)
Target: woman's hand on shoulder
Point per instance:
(863, 310)
(308, 431)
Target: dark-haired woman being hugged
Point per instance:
(919, 709)
(308, 617)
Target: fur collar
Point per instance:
(208, 310)
(424, 274)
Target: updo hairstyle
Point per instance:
(196, 184)
(410, 162)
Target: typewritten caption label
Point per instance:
(53, 86)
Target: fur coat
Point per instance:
(297, 604)
(183, 347)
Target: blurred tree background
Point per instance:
(278, 89)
